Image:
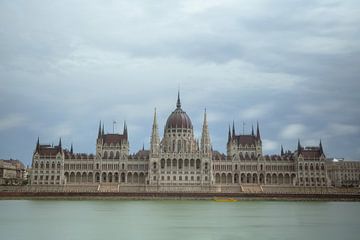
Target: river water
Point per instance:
(171, 219)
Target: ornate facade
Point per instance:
(180, 160)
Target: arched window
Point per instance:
(47, 165)
(198, 163)
(42, 165)
(154, 165)
(36, 165)
(180, 163)
(111, 155)
(206, 167)
(58, 165)
(105, 155)
(53, 165)
(179, 146)
(122, 166)
(162, 163)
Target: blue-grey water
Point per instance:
(66, 220)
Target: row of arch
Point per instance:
(180, 163)
(78, 177)
(47, 165)
(229, 178)
(311, 167)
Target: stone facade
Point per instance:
(180, 161)
(344, 173)
(12, 172)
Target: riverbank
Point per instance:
(175, 195)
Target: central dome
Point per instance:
(178, 118)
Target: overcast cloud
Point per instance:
(291, 65)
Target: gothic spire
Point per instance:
(125, 131)
(99, 133)
(299, 147)
(233, 129)
(205, 136)
(60, 143)
(282, 150)
(257, 131)
(178, 103)
(38, 144)
(321, 148)
(155, 139)
(103, 130)
(71, 149)
(229, 134)
(252, 130)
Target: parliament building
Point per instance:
(179, 162)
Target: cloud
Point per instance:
(270, 145)
(293, 131)
(12, 121)
(340, 129)
(256, 111)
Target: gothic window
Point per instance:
(162, 163)
(105, 155)
(154, 165)
(192, 163)
(47, 165)
(198, 163)
(186, 163)
(117, 155)
(168, 163)
(42, 165)
(180, 163)
(111, 155)
(206, 166)
(36, 165)
(58, 165)
(53, 165)
(179, 146)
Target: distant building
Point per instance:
(12, 172)
(178, 160)
(344, 173)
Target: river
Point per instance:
(173, 219)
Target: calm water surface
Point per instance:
(178, 220)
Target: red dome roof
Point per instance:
(178, 118)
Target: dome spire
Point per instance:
(178, 103)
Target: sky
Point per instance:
(294, 66)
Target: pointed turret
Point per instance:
(99, 133)
(229, 135)
(233, 129)
(321, 148)
(205, 136)
(38, 144)
(258, 131)
(178, 103)
(155, 139)
(299, 147)
(252, 130)
(125, 131)
(60, 143)
(71, 149)
(282, 150)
